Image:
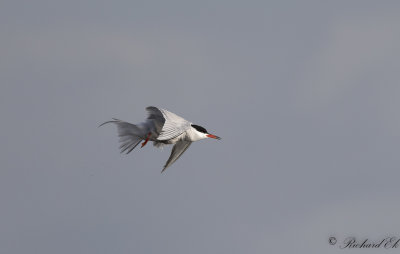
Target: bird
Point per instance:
(162, 127)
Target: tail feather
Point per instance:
(130, 135)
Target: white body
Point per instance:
(162, 127)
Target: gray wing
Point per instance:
(155, 115)
(178, 149)
(169, 124)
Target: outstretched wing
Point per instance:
(178, 149)
(169, 124)
(155, 115)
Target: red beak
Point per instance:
(213, 136)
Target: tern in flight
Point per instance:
(162, 127)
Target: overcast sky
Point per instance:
(304, 94)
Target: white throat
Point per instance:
(195, 135)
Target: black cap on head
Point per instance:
(199, 128)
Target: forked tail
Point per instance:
(130, 135)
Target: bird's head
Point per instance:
(202, 133)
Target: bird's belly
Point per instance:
(173, 140)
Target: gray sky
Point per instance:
(305, 96)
